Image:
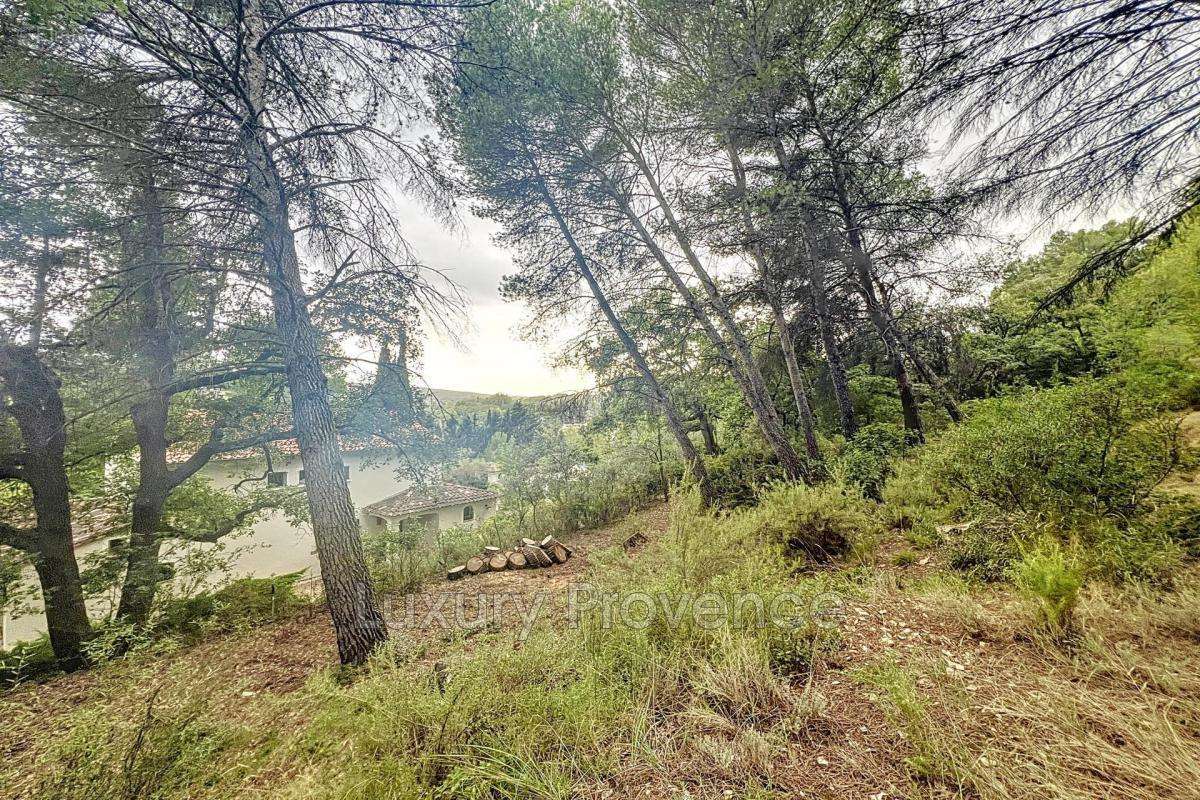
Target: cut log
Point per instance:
(491, 550)
(556, 549)
(536, 556)
(454, 573)
(529, 542)
(498, 562)
(634, 540)
(476, 565)
(517, 560)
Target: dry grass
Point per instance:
(938, 689)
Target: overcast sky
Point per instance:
(493, 356)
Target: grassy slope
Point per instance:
(929, 689)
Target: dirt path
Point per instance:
(509, 600)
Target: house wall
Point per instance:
(273, 547)
(439, 520)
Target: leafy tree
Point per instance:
(498, 129)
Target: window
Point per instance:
(301, 476)
(277, 479)
(468, 513)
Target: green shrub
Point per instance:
(1050, 576)
(867, 459)
(738, 473)
(820, 522)
(913, 499)
(792, 649)
(1176, 518)
(1131, 552)
(27, 661)
(1084, 448)
(241, 603)
(984, 550)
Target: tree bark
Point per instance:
(36, 404)
(753, 385)
(674, 421)
(772, 293)
(357, 621)
(923, 368)
(155, 370)
(863, 270)
(707, 432)
(838, 377)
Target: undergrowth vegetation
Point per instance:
(1008, 610)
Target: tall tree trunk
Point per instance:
(918, 361)
(357, 621)
(707, 432)
(863, 271)
(40, 279)
(674, 421)
(754, 385)
(838, 378)
(754, 392)
(155, 370)
(820, 298)
(773, 294)
(36, 404)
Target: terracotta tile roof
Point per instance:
(418, 499)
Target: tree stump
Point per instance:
(476, 565)
(456, 573)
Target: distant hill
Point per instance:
(458, 400)
(567, 407)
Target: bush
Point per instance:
(913, 500)
(1084, 448)
(27, 661)
(399, 560)
(1176, 518)
(820, 522)
(867, 460)
(1134, 552)
(984, 550)
(241, 603)
(1051, 577)
(738, 473)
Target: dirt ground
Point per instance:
(1015, 718)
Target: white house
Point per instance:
(276, 547)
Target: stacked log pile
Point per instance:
(526, 554)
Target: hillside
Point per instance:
(913, 684)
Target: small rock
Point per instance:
(824, 762)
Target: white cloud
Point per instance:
(492, 356)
